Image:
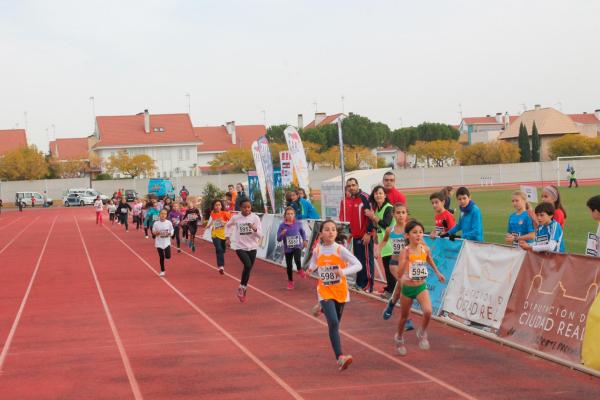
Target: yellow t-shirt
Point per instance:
(218, 223)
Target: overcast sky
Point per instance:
(399, 62)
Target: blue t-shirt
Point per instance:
(398, 243)
(520, 224)
(551, 234)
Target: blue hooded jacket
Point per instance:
(308, 211)
(470, 223)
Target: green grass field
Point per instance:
(496, 206)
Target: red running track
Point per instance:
(84, 315)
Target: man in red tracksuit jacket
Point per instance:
(362, 230)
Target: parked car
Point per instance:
(25, 199)
(130, 194)
(73, 199)
(87, 195)
(161, 188)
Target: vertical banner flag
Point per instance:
(260, 172)
(285, 160)
(267, 162)
(299, 164)
(253, 185)
(482, 281)
(549, 305)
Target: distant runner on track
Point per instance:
(163, 230)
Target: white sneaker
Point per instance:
(423, 342)
(146, 237)
(400, 346)
(162, 273)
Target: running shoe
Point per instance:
(344, 362)
(302, 273)
(290, 285)
(193, 247)
(389, 310)
(408, 326)
(178, 250)
(162, 273)
(241, 294)
(400, 346)
(146, 236)
(222, 270)
(316, 310)
(423, 342)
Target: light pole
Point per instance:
(93, 103)
(343, 106)
(189, 101)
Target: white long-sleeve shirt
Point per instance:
(159, 227)
(239, 228)
(353, 265)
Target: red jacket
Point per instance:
(395, 196)
(355, 206)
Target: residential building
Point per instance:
(12, 139)
(483, 129)
(588, 123)
(169, 139)
(393, 156)
(70, 149)
(321, 118)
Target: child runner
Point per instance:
(333, 263)
(292, 234)
(396, 238)
(246, 229)
(99, 207)
(218, 218)
(470, 217)
(520, 225)
(549, 234)
(413, 272)
(162, 230)
(593, 204)
(184, 226)
(123, 210)
(192, 217)
(229, 202)
(550, 194)
(151, 217)
(112, 209)
(136, 211)
(175, 216)
(444, 220)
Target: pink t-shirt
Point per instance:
(239, 228)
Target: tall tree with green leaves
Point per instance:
(535, 143)
(524, 144)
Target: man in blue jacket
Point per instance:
(470, 221)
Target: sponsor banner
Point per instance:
(263, 246)
(531, 193)
(299, 164)
(267, 163)
(287, 176)
(590, 350)
(444, 252)
(260, 173)
(482, 281)
(331, 198)
(549, 305)
(253, 185)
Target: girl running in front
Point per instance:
(520, 225)
(413, 269)
(162, 230)
(136, 211)
(192, 217)
(218, 218)
(550, 194)
(112, 209)
(333, 263)
(123, 210)
(99, 207)
(151, 217)
(175, 216)
(246, 229)
(292, 234)
(395, 238)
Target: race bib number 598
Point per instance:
(328, 275)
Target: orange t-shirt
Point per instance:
(331, 286)
(218, 223)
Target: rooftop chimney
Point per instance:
(537, 107)
(506, 120)
(300, 121)
(319, 117)
(146, 121)
(597, 113)
(230, 126)
(499, 118)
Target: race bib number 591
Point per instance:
(245, 229)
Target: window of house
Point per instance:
(187, 154)
(180, 154)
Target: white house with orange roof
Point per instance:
(484, 129)
(588, 123)
(169, 139)
(71, 149)
(12, 139)
(321, 119)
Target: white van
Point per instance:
(25, 199)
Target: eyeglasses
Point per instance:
(389, 180)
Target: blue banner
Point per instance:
(445, 253)
(253, 185)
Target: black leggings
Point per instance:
(162, 254)
(124, 220)
(176, 236)
(333, 313)
(247, 257)
(219, 250)
(295, 256)
(192, 228)
(184, 231)
(389, 277)
(138, 221)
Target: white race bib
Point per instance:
(417, 271)
(192, 217)
(293, 241)
(591, 248)
(175, 221)
(165, 234)
(397, 246)
(328, 276)
(542, 239)
(439, 229)
(218, 224)
(123, 211)
(245, 229)
(155, 217)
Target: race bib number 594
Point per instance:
(417, 270)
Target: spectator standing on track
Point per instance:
(333, 263)
(112, 209)
(292, 234)
(361, 230)
(192, 217)
(444, 220)
(216, 223)
(291, 198)
(246, 229)
(389, 184)
(549, 234)
(381, 217)
(593, 204)
(32, 201)
(19, 203)
(573, 178)
(447, 191)
(302, 194)
(123, 210)
(175, 216)
(99, 207)
(162, 230)
(1, 205)
(240, 197)
(184, 193)
(470, 222)
(306, 208)
(550, 194)
(520, 226)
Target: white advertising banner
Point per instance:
(287, 174)
(260, 172)
(294, 142)
(267, 163)
(482, 281)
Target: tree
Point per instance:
(275, 149)
(233, 160)
(141, 164)
(574, 145)
(72, 168)
(357, 130)
(23, 164)
(358, 157)
(426, 132)
(439, 151)
(498, 152)
(535, 143)
(524, 144)
(313, 153)
(275, 133)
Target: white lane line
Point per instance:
(13, 328)
(10, 223)
(19, 234)
(351, 337)
(220, 328)
(130, 375)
